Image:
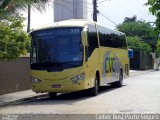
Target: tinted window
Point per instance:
(110, 38)
(57, 45)
(92, 38)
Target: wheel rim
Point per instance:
(52, 94)
(121, 78)
(96, 86)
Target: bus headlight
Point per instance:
(78, 77)
(35, 80)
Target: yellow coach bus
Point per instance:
(76, 55)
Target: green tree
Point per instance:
(137, 45)
(158, 48)
(133, 19)
(155, 10)
(14, 41)
(133, 27)
(136, 28)
(15, 5)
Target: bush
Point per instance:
(158, 49)
(137, 45)
(14, 41)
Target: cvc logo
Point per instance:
(110, 64)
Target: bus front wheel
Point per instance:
(52, 94)
(94, 90)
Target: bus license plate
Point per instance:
(56, 86)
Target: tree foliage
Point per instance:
(14, 41)
(139, 28)
(155, 10)
(134, 27)
(158, 48)
(128, 19)
(137, 45)
(15, 5)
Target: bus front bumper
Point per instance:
(65, 86)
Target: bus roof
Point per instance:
(66, 23)
(72, 23)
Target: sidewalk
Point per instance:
(139, 72)
(22, 96)
(19, 97)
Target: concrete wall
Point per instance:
(69, 9)
(15, 75)
(141, 61)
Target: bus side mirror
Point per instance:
(130, 53)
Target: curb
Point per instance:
(21, 100)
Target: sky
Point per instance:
(113, 11)
(117, 10)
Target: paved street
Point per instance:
(140, 94)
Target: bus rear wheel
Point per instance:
(52, 94)
(119, 83)
(95, 89)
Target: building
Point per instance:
(69, 9)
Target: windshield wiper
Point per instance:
(72, 64)
(49, 62)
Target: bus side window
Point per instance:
(109, 38)
(92, 39)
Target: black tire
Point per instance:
(119, 83)
(95, 89)
(52, 94)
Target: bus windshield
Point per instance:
(56, 47)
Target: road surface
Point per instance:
(140, 94)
